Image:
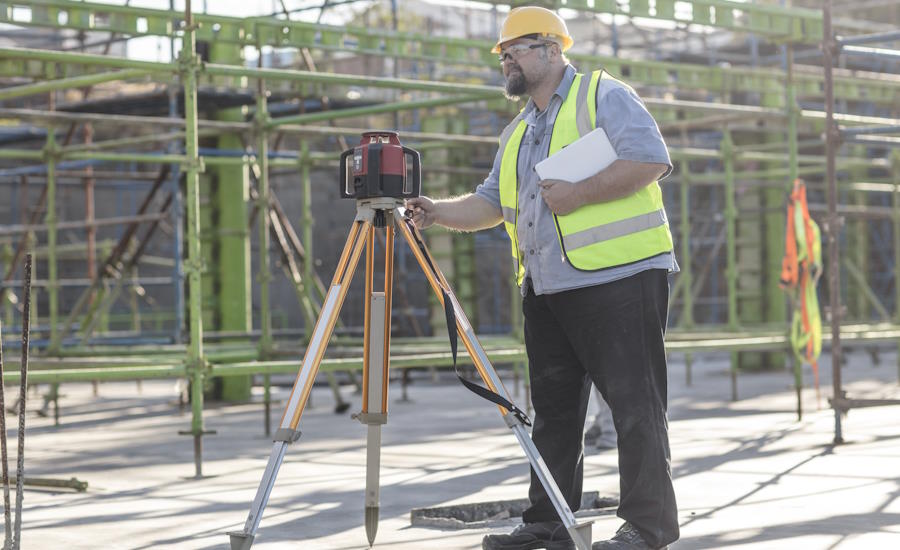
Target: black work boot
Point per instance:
(551, 535)
(626, 538)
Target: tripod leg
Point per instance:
(287, 432)
(581, 534)
(376, 359)
(372, 414)
(388, 293)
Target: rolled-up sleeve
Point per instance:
(489, 190)
(630, 127)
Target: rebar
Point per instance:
(23, 393)
(7, 519)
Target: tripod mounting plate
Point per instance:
(366, 208)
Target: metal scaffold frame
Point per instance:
(833, 46)
(54, 71)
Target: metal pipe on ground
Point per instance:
(73, 483)
(869, 38)
(880, 53)
(870, 130)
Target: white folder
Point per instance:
(580, 159)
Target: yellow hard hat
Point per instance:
(533, 20)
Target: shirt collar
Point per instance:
(562, 91)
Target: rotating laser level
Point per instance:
(380, 166)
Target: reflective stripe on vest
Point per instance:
(614, 230)
(596, 236)
(509, 194)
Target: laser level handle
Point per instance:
(344, 175)
(417, 173)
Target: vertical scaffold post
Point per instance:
(195, 362)
(833, 226)
(895, 206)
(177, 208)
(50, 154)
(262, 216)
(309, 273)
(731, 274)
(687, 315)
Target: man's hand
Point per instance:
(423, 211)
(561, 197)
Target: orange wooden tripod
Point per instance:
(375, 213)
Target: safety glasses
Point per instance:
(517, 50)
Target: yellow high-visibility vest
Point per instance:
(595, 236)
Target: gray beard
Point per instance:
(516, 85)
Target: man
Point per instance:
(591, 258)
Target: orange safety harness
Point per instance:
(800, 271)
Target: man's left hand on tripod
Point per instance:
(467, 212)
(423, 211)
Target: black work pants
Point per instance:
(611, 335)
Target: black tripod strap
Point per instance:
(452, 333)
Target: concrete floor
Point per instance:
(747, 473)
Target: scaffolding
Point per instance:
(832, 46)
(738, 156)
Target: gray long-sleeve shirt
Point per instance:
(633, 134)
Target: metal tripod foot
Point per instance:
(371, 523)
(241, 541)
(580, 533)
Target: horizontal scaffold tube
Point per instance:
(212, 69)
(236, 363)
(677, 153)
(73, 82)
(780, 22)
(375, 109)
(207, 127)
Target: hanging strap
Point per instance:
(450, 315)
(789, 264)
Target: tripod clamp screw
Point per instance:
(379, 220)
(286, 435)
